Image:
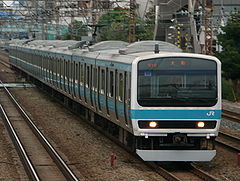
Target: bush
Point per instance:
(227, 90)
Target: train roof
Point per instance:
(108, 45)
(149, 46)
(116, 51)
(113, 46)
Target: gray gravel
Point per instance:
(231, 106)
(230, 124)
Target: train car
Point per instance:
(163, 104)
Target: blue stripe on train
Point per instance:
(176, 114)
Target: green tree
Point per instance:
(230, 55)
(75, 31)
(116, 26)
(145, 28)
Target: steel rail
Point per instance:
(161, 171)
(201, 174)
(29, 168)
(233, 138)
(230, 115)
(230, 136)
(4, 62)
(52, 152)
(171, 177)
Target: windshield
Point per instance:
(177, 81)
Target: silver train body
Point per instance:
(166, 105)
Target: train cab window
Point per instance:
(111, 84)
(177, 81)
(120, 87)
(102, 91)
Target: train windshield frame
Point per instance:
(177, 82)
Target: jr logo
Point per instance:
(210, 113)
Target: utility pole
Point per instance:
(193, 28)
(132, 22)
(208, 14)
(157, 3)
(57, 16)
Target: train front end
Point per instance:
(176, 106)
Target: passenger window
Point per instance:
(111, 84)
(121, 87)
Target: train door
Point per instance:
(88, 90)
(76, 79)
(53, 70)
(127, 97)
(44, 67)
(98, 73)
(120, 82)
(91, 86)
(71, 77)
(50, 69)
(81, 89)
(102, 93)
(40, 65)
(65, 76)
(111, 93)
(58, 73)
(94, 87)
(68, 76)
(85, 83)
(61, 74)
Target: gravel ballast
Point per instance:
(84, 147)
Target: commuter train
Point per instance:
(160, 102)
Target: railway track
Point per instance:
(41, 161)
(230, 115)
(229, 141)
(181, 172)
(4, 59)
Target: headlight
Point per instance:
(153, 124)
(200, 124)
